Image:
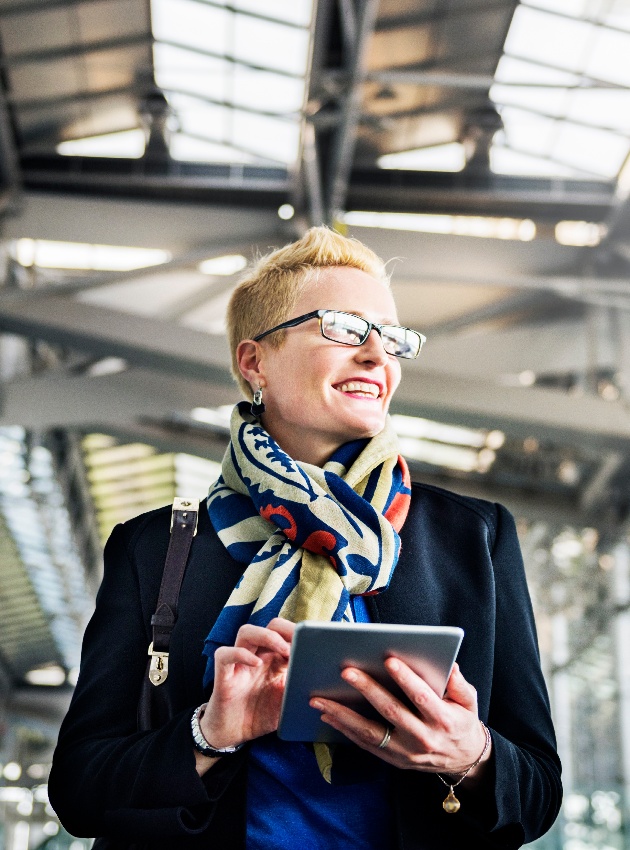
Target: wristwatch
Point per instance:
(201, 745)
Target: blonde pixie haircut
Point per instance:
(268, 293)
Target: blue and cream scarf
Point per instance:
(311, 536)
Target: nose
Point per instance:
(372, 349)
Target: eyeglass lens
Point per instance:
(353, 330)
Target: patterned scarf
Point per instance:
(311, 536)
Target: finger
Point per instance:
(426, 703)
(366, 733)
(228, 656)
(283, 627)
(460, 691)
(384, 702)
(257, 637)
(424, 699)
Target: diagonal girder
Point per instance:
(129, 398)
(146, 342)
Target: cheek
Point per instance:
(394, 377)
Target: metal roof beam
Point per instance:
(76, 50)
(25, 105)
(27, 7)
(242, 185)
(10, 176)
(132, 399)
(481, 82)
(393, 190)
(439, 14)
(344, 139)
(150, 343)
(519, 411)
(114, 401)
(180, 261)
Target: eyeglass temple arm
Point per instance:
(290, 323)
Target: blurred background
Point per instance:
(149, 149)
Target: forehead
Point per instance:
(352, 290)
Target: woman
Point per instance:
(314, 517)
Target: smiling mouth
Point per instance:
(359, 388)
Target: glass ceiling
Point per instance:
(574, 118)
(234, 77)
(562, 88)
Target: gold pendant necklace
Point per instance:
(451, 804)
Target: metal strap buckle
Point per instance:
(158, 669)
(185, 506)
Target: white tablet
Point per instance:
(320, 650)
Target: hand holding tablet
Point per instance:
(321, 650)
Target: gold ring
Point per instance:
(388, 734)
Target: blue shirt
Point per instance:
(290, 806)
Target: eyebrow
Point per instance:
(386, 321)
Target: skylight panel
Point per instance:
(549, 39)
(267, 91)
(448, 157)
(514, 70)
(545, 100)
(274, 140)
(505, 160)
(270, 45)
(574, 8)
(604, 108)
(591, 149)
(555, 91)
(608, 59)
(533, 134)
(242, 101)
(296, 12)
(249, 136)
(191, 24)
(618, 15)
(183, 70)
(203, 119)
(612, 13)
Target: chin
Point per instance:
(365, 429)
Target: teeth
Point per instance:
(359, 388)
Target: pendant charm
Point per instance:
(258, 405)
(451, 804)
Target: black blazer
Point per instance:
(460, 565)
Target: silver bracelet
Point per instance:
(201, 745)
(451, 804)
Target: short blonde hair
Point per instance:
(268, 293)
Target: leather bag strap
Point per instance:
(183, 529)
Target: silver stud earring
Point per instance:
(258, 405)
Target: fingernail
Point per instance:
(393, 665)
(350, 675)
(317, 704)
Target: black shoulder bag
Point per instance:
(154, 704)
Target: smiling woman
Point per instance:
(314, 517)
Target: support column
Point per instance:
(621, 635)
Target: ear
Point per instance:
(248, 358)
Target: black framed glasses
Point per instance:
(349, 329)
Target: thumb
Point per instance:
(460, 691)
